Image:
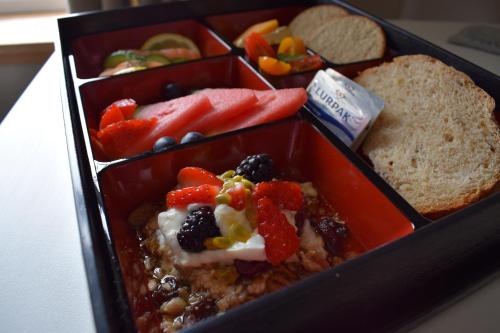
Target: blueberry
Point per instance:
(191, 137)
(172, 91)
(164, 143)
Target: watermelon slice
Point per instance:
(227, 104)
(172, 116)
(272, 105)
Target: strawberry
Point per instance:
(111, 115)
(204, 194)
(117, 137)
(97, 148)
(127, 106)
(238, 197)
(117, 111)
(281, 240)
(286, 195)
(193, 176)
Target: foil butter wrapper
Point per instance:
(345, 107)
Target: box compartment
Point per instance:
(91, 51)
(147, 87)
(300, 153)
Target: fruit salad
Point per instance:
(222, 240)
(159, 50)
(126, 130)
(275, 50)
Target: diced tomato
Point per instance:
(193, 176)
(306, 64)
(274, 66)
(256, 46)
(292, 46)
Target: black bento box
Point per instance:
(385, 289)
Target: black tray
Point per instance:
(384, 290)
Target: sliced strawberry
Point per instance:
(127, 106)
(117, 111)
(97, 148)
(204, 194)
(193, 176)
(238, 197)
(117, 137)
(286, 195)
(281, 240)
(111, 115)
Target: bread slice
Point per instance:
(304, 24)
(348, 39)
(436, 141)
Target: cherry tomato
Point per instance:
(274, 66)
(291, 46)
(306, 64)
(256, 46)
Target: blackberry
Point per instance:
(332, 232)
(256, 168)
(198, 226)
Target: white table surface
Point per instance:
(43, 287)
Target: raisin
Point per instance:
(251, 268)
(332, 232)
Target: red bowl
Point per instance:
(90, 51)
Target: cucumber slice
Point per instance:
(117, 57)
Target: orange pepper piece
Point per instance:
(260, 28)
(274, 66)
(292, 46)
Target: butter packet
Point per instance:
(345, 107)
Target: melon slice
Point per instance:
(227, 104)
(172, 116)
(272, 105)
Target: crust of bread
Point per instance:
(435, 209)
(349, 39)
